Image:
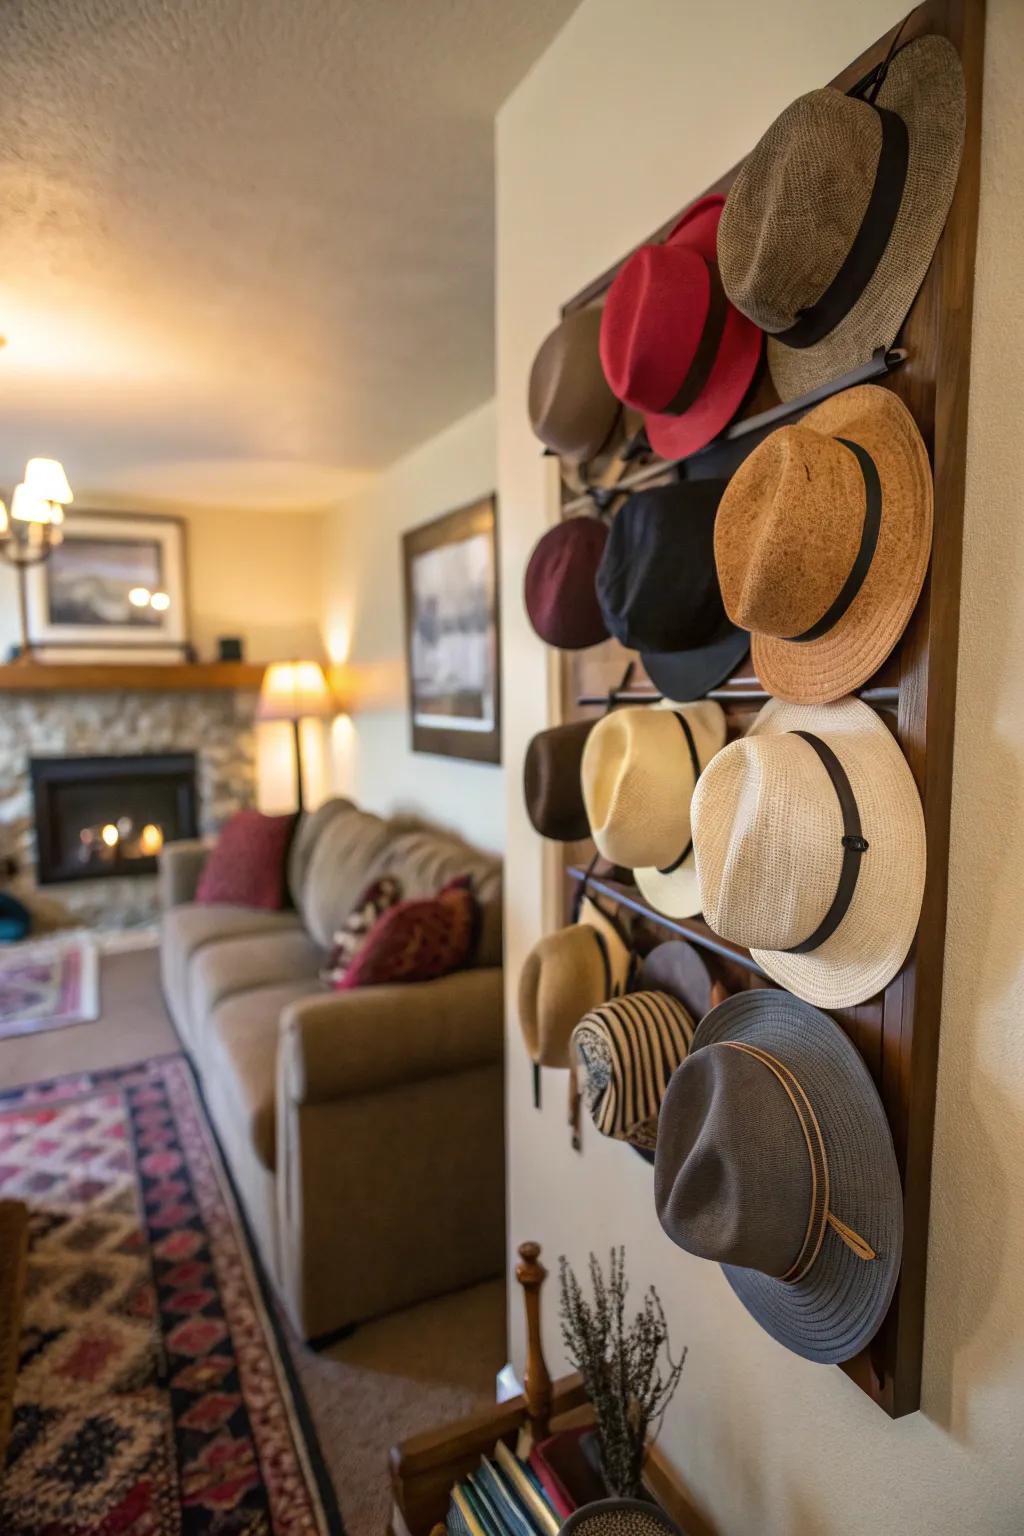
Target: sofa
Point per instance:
(363, 1129)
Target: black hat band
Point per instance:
(670, 869)
(852, 842)
(866, 552)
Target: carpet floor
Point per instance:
(393, 1377)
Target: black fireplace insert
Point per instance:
(99, 816)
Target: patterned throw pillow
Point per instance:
(352, 935)
(419, 940)
(247, 866)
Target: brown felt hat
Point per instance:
(822, 541)
(551, 782)
(565, 975)
(679, 969)
(833, 219)
(572, 408)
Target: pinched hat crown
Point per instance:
(796, 206)
(789, 530)
(656, 316)
(572, 410)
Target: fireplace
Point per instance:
(102, 816)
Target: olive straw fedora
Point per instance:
(822, 542)
(810, 849)
(565, 975)
(672, 345)
(640, 768)
(620, 1517)
(831, 224)
(774, 1158)
(628, 1049)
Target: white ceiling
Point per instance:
(246, 246)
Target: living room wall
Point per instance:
(364, 627)
(632, 112)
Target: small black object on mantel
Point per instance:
(230, 648)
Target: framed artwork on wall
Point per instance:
(117, 585)
(452, 634)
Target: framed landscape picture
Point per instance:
(452, 634)
(117, 584)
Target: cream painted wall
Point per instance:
(624, 118)
(364, 629)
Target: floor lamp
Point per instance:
(296, 691)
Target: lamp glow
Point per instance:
(139, 597)
(151, 839)
(29, 507)
(46, 478)
(160, 602)
(110, 835)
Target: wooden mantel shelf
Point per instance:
(178, 677)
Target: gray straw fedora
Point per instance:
(833, 219)
(619, 1517)
(775, 1160)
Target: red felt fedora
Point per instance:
(672, 346)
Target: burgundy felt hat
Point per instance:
(672, 346)
(560, 595)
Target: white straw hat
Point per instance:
(810, 849)
(640, 768)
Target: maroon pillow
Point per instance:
(354, 931)
(418, 940)
(247, 866)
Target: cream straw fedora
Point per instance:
(822, 541)
(640, 767)
(565, 975)
(810, 849)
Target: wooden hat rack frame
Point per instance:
(897, 1031)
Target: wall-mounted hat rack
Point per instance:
(897, 1031)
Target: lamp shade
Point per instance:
(295, 690)
(46, 478)
(27, 506)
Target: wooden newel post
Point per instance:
(531, 1275)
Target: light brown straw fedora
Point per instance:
(810, 849)
(822, 541)
(565, 975)
(833, 219)
(640, 767)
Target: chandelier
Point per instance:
(32, 529)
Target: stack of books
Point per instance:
(505, 1496)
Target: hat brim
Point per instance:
(837, 1309)
(739, 352)
(925, 87)
(873, 939)
(816, 671)
(677, 893)
(692, 674)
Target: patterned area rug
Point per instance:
(154, 1394)
(47, 986)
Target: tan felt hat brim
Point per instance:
(925, 86)
(816, 671)
(873, 939)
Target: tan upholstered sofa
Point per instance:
(364, 1129)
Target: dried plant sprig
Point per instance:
(622, 1369)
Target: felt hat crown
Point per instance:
(551, 782)
(640, 768)
(810, 850)
(558, 589)
(774, 1159)
(565, 975)
(572, 409)
(672, 345)
(822, 542)
(832, 220)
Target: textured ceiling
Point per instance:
(246, 246)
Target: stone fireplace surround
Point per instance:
(218, 726)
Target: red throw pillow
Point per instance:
(418, 940)
(357, 927)
(247, 866)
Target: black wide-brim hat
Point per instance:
(832, 1313)
(658, 588)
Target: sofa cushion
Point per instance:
(189, 928)
(425, 861)
(418, 940)
(219, 971)
(247, 863)
(341, 866)
(238, 1053)
(307, 835)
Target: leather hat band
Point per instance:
(853, 844)
(670, 869)
(865, 554)
(699, 371)
(861, 262)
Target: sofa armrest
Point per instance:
(179, 866)
(349, 1043)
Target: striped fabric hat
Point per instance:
(628, 1049)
